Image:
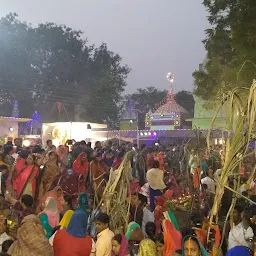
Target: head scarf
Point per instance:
(238, 251)
(78, 167)
(170, 216)
(31, 239)
(53, 194)
(130, 228)
(82, 202)
(45, 223)
(51, 204)
(66, 219)
(202, 249)
(172, 238)
(52, 212)
(124, 250)
(78, 224)
(147, 248)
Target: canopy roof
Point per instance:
(171, 106)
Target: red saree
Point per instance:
(20, 165)
(23, 184)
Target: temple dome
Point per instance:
(170, 106)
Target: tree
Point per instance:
(50, 63)
(186, 100)
(230, 42)
(148, 98)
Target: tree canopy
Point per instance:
(50, 63)
(230, 43)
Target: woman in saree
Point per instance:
(120, 245)
(52, 212)
(172, 238)
(193, 247)
(51, 170)
(19, 167)
(75, 235)
(147, 248)
(99, 171)
(31, 239)
(134, 235)
(62, 156)
(62, 225)
(57, 194)
(83, 203)
(45, 224)
(26, 183)
(81, 164)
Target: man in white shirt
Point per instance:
(209, 181)
(241, 234)
(104, 235)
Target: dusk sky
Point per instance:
(153, 37)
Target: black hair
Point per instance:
(8, 148)
(142, 198)
(155, 164)
(3, 167)
(102, 217)
(23, 154)
(239, 208)
(118, 238)
(68, 199)
(27, 200)
(6, 245)
(160, 238)
(109, 151)
(36, 149)
(150, 229)
(82, 142)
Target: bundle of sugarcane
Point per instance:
(115, 196)
(241, 119)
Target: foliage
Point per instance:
(229, 43)
(51, 63)
(186, 100)
(240, 105)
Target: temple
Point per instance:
(169, 116)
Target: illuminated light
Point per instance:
(149, 133)
(141, 134)
(56, 142)
(162, 115)
(220, 141)
(11, 129)
(145, 133)
(131, 121)
(154, 133)
(26, 143)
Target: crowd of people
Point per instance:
(48, 195)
